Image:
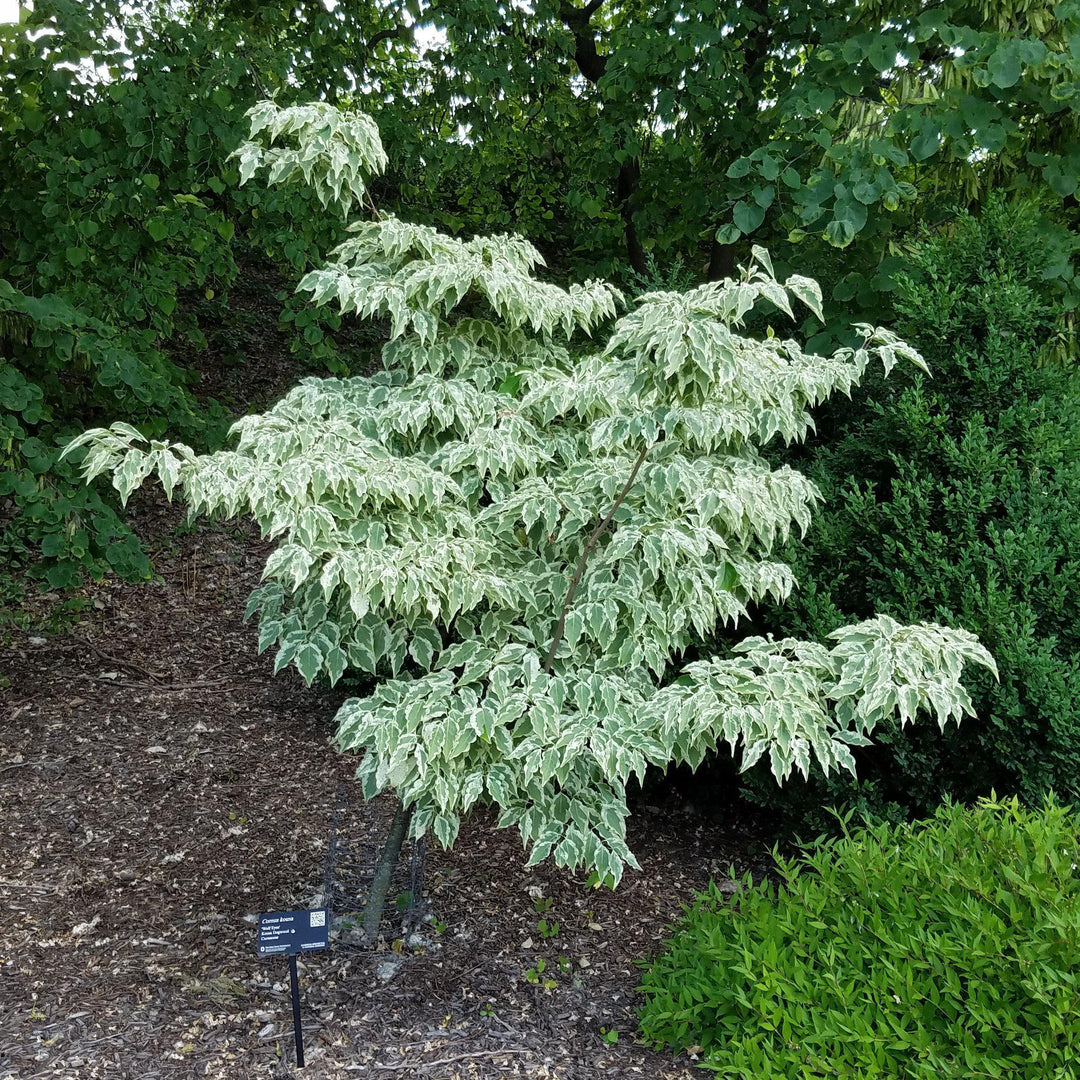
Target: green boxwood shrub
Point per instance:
(954, 499)
(945, 949)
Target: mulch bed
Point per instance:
(160, 786)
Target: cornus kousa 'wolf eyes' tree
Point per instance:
(518, 538)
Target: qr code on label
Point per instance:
(318, 918)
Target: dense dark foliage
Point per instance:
(121, 220)
(954, 498)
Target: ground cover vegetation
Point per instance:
(518, 534)
(944, 949)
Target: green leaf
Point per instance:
(157, 229)
(1061, 181)
(1004, 66)
(840, 232)
(926, 143)
(764, 196)
(89, 137)
(308, 662)
(865, 192)
(728, 234)
(748, 216)
(769, 167)
(1031, 51)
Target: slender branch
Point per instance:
(401, 32)
(560, 628)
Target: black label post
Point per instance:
(286, 933)
(298, 1031)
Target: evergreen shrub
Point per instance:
(945, 949)
(954, 498)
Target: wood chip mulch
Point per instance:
(159, 786)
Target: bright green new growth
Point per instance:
(519, 540)
(941, 951)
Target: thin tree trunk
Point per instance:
(384, 871)
(625, 187)
(592, 64)
(721, 261)
(755, 70)
(560, 628)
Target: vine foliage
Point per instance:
(519, 537)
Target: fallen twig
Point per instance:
(442, 1061)
(130, 664)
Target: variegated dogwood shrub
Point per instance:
(519, 537)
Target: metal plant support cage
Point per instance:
(357, 835)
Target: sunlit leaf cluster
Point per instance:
(333, 154)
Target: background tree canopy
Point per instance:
(687, 126)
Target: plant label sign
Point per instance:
(286, 933)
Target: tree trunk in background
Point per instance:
(721, 261)
(592, 67)
(755, 69)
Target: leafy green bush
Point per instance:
(947, 949)
(954, 498)
(119, 214)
